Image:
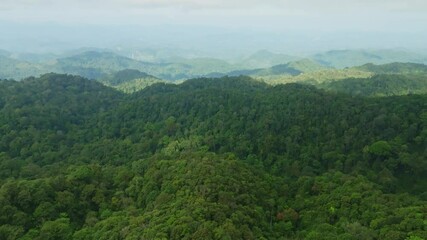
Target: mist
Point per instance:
(213, 28)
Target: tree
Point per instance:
(58, 229)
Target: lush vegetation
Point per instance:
(228, 158)
(395, 68)
(315, 77)
(380, 85)
(367, 80)
(129, 80)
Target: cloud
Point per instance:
(278, 14)
(319, 6)
(205, 4)
(130, 4)
(310, 5)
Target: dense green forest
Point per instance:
(380, 85)
(228, 158)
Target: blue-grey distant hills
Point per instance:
(11, 68)
(266, 59)
(351, 58)
(292, 68)
(99, 63)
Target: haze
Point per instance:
(216, 27)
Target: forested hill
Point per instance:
(380, 85)
(369, 80)
(395, 68)
(228, 158)
(129, 80)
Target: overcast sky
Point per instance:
(392, 18)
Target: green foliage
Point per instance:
(129, 80)
(395, 68)
(56, 230)
(380, 148)
(367, 80)
(380, 85)
(315, 77)
(136, 85)
(123, 76)
(229, 158)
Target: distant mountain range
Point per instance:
(351, 58)
(366, 80)
(266, 59)
(291, 68)
(18, 69)
(99, 63)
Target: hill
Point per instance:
(99, 64)
(394, 68)
(266, 59)
(228, 158)
(289, 69)
(316, 77)
(16, 69)
(129, 80)
(124, 76)
(350, 58)
(95, 64)
(368, 80)
(203, 66)
(380, 85)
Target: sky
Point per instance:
(282, 25)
